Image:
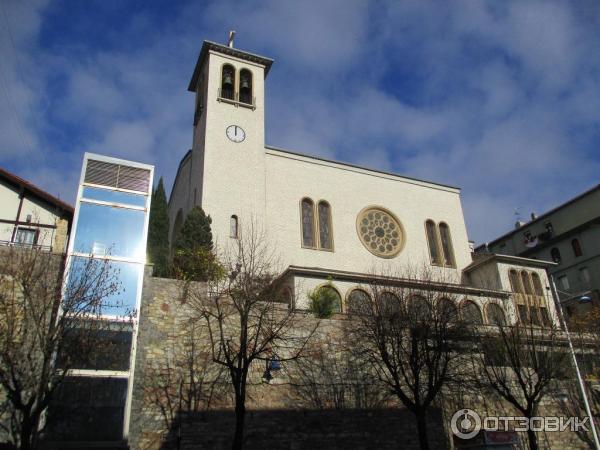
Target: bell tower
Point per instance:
(227, 160)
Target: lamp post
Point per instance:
(575, 364)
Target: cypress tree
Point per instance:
(195, 233)
(158, 232)
(194, 258)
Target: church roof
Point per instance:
(509, 259)
(355, 166)
(209, 45)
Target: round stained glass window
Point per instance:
(380, 232)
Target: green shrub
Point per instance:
(324, 302)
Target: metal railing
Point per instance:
(45, 248)
(230, 96)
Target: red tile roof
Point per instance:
(36, 191)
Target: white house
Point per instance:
(30, 216)
(328, 218)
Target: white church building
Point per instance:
(329, 219)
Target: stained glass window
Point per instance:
(446, 244)
(308, 223)
(325, 226)
(380, 232)
(434, 253)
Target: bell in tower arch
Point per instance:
(246, 86)
(227, 81)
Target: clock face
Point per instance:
(235, 133)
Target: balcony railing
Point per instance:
(45, 248)
(230, 96)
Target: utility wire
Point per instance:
(5, 87)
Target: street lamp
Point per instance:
(583, 299)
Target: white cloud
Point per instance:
(127, 140)
(499, 98)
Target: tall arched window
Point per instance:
(434, 252)
(228, 82)
(246, 86)
(418, 309)
(545, 315)
(472, 313)
(388, 304)
(358, 302)
(576, 247)
(234, 227)
(555, 255)
(325, 231)
(537, 285)
(495, 314)
(526, 283)
(308, 223)
(513, 277)
(447, 310)
(446, 244)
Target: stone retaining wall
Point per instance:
(277, 416)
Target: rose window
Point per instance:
(380, 232)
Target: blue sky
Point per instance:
(499, 98)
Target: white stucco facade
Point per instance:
(30, 216)
(265, 185)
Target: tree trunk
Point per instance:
(240, 415)
(29, 431)
(531, 436)
(25, 435)
(422, 430)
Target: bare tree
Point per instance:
(410, 333)
(37, 348)
(329, 376)
(570, 401)
(184, 383)
(584, 328)
(247, 318)
(522, 363)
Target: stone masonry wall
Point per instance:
(278, 416)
